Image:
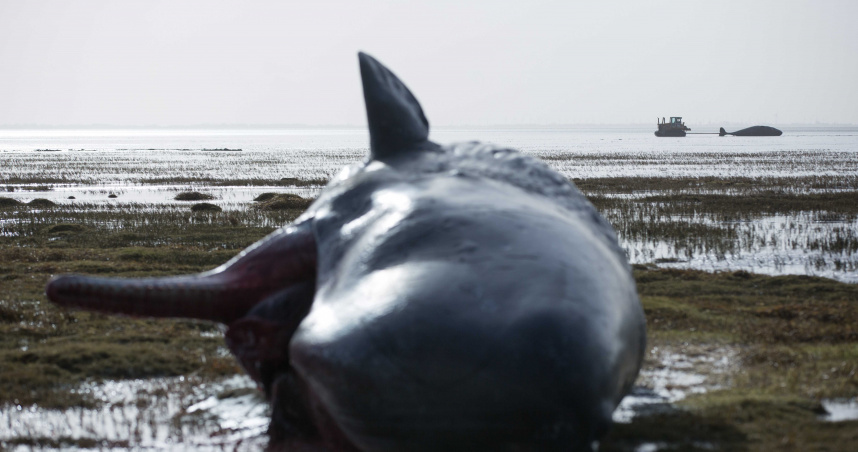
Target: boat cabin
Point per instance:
(674, 128)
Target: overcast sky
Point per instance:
(491, 62)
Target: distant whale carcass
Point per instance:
(755, 131)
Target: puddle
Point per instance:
(840, 409)
(231, 415)
(654, 447)
(148, 414)
(672, 374)
(804, 243)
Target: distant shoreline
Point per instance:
(647, 125)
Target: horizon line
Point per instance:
(244, 126)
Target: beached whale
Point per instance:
(459, 297)
(755, 131)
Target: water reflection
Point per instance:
(221, 415)
(801, 243)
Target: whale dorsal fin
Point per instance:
(396, 121)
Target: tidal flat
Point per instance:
(745, 260)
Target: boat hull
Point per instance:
(669, 133)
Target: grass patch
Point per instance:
(282, 201)
(28, 234)
(798, 344)
(205, 207)
(65, 442)
(770, 202)
(718, 224)
(35, 179)
(260, 182)
(735, 185)
(298, 182)
(41, 203)
(64, 229)
(8, 202)
(46, 351)
(36, 187)
(193, 196)
(265, 197)
(735, 207)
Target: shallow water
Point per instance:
(125, 162)
(802, 243)
(840, 410)
(156, 414)
(676, 373)
(230, 414)
(126, 155)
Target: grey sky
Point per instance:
(486, 62)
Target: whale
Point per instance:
(433, 297)
(755, 131)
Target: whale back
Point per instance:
(466, 295)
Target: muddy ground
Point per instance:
(736, 361)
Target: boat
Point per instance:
(674, 128)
